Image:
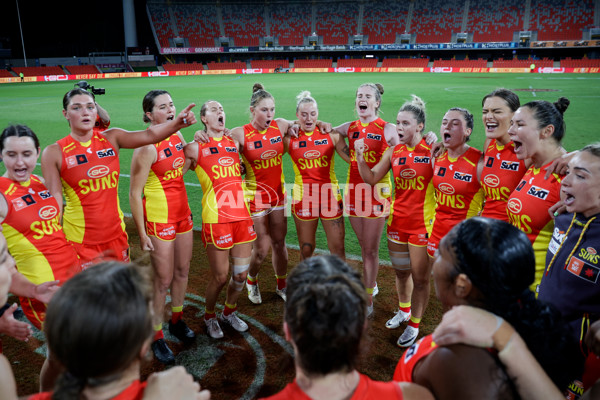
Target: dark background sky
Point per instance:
(65, 29)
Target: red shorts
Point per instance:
(114, 250)
(227, 234)
(34, 310)
(168, 232)
(318, 201)
(415, 239)
(364, 200)
(265, 199)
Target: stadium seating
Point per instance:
(336, 22)
(580, 63)
(39, 71)
(160, 19)
(357, 62)
(244, 23)
(561, 19)
(272, 64)
(479, 63)
(290, 22)
(383, 19)
(404, 62)
(435, 20)
(6, 74)
(198, 23)
(545, 62)
(82, 69)
(193, 66)
(226, 65)
(319, 63)
(494, 21)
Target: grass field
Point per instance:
(39, 105)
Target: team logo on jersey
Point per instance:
(514, 206)
(408, 173)
(76, 159)
(321, 142)
(312, 154)
(166, 153)
(209, 151)
(355, 135)
(461, 176)
(48, 212)
(275, 140)
(446, 188)
(402, 161)
(538, 192)
(255, 145)
(583, 270)
(440, 171)
(520, 186)
(23, 201)
(178, 163)
(491, 180)
(268, 154)
(226, 161)
(421, 160)
(45, 194)
(490, 162)
(98, 171)
(373, 136)
(302, 144)
(105, 153)
(509, 166)
(231, 149)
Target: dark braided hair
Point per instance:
(325, 313)
(499, 260)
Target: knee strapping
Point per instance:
(400, 260)
(238, 286)
(240, 265)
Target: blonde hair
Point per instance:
(417, 107)
(377, 89)
(304, 97)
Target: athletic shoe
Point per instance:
(254, 293)
(408, 337)
(162, 352)
(370, 310)
(182, 332)
(282, 293)
(235, 321)
(375, 290)
(213, 328)
(397, 319)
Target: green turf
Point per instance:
(39, 105)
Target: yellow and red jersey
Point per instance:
(262, 154)
(410, 358)
(90, 181)
(219, 172)
(313, 158)
(502, 172)
(528, 210)
(165, 198)
(414, 200)
(367, 201)
(457, 191)
(36, 239)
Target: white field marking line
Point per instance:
(532, 91)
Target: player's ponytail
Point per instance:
(259, 93)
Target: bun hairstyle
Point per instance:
(304, 97)
(148, 102)
(377, 89)
(417, 107)
(547, 113)
(259, 93)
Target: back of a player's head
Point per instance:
(496, 256)
(325, 314)
(97, 323)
